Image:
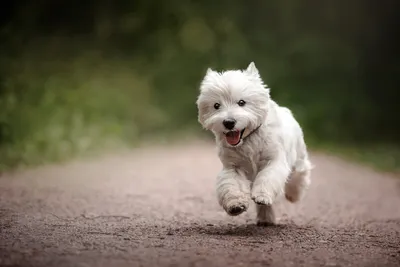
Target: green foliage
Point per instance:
(70, 107)
(79, 77)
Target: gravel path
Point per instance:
(156, 207)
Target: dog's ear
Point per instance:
(210, 74)
(252, 70)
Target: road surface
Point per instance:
(157, 207)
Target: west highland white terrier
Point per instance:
(260, 144)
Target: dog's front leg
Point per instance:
(270, 181)
(233, 191)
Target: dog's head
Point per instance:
(232, 103)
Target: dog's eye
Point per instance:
(217, 105)
(241, 103)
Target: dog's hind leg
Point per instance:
(298, 182)
(265, 215)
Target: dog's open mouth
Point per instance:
(233, 137)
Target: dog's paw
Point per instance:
(297, 186)
(292, 197)
(236, 209)
(262, 199)
(236, 206)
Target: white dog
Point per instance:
(260, 144)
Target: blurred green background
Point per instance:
(83, 76)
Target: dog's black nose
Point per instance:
(229, 123)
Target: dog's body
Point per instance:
(261, 145)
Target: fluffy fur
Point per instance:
(270, 160)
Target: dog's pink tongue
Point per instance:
(233, 137)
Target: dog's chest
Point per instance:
(248, 159)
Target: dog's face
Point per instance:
(233, 103)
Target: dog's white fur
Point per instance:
(271, 159)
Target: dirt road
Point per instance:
(156, 207)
